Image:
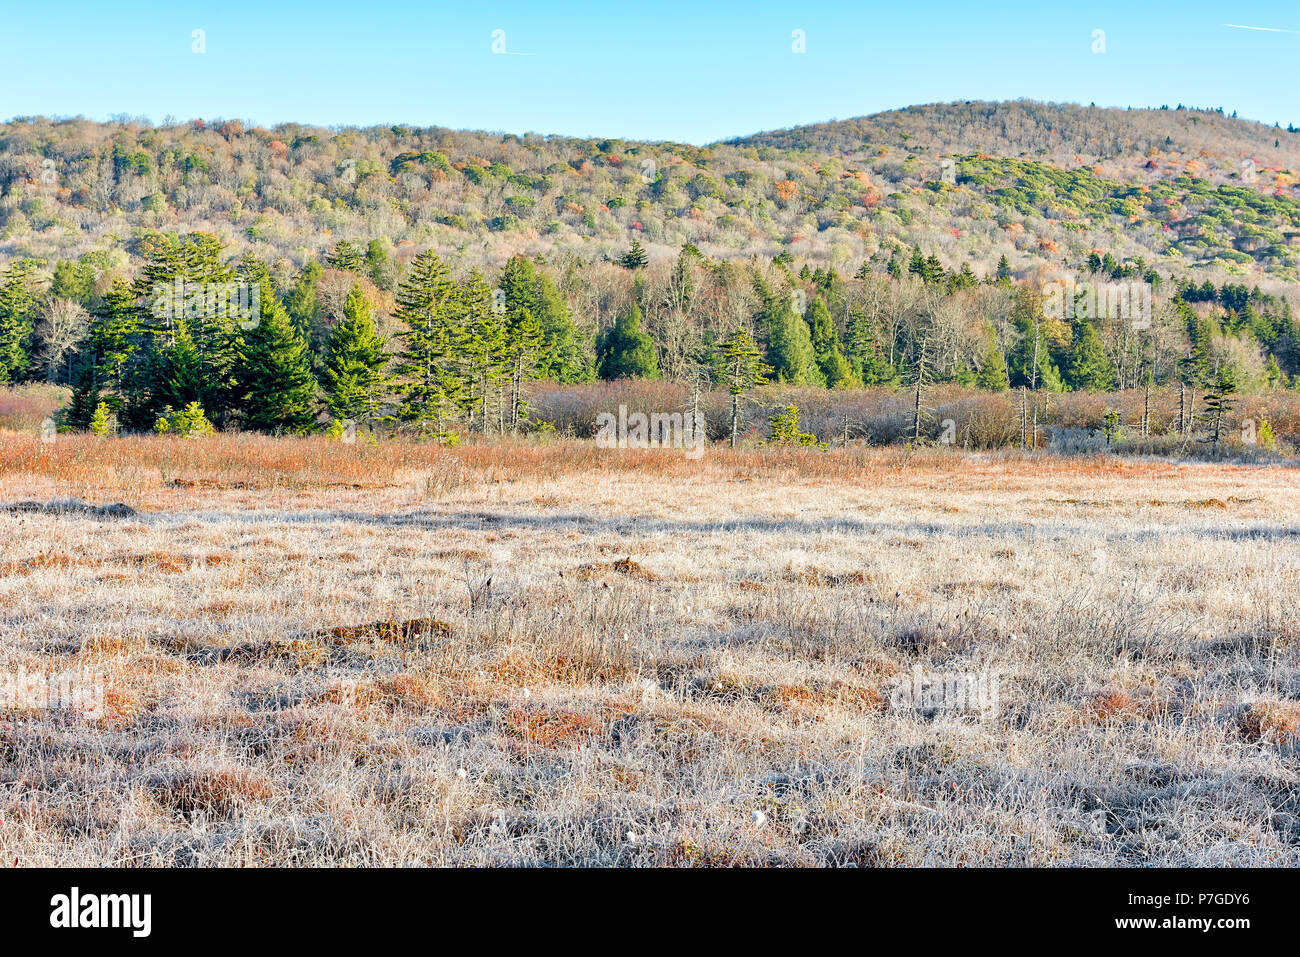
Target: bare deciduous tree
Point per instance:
(62, 326)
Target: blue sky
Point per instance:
(687, 71)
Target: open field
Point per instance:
(306, 652)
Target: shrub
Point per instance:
(189, 421)
(783, 429)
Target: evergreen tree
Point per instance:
(303, 304)
(482, 342)
(916, 266)
(739, 364)
(524, 344)
(562, 355)
(625, 351)
(869, 365)
(274, 371)
(175, 377)
(19, 305)
(100, 423)
(1090, 368)
(1218, 403)
(789, 340)
(356, 360)
(73, 280)
(635, 257)
(347, 255)
(1030, 364)
(85, 397)
(1272, 372)
(378, 266)
(993, 371)
(427, 364)
(111, 342)
(825, 338)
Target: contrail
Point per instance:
(1238, 26)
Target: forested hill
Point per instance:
(1198, 192)
(267, 278)
(1058, 133)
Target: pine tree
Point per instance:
(524, 343)
(916, 266)
(993, 372)
(635, 257)
(279, 391)
(19, 305)
(1090, 368)
(1273, 373)
(789, 343)
(175, 374)
(482, 339)
(1218, 403)
(302, 304)
(356, 359)
(347, 256)
(869, 365)
(625, 351)
(85, 397)
(112, 341)
(73, 280)
(427, 364)
(99, 420)
(563, 356)
(739, 364)
(378, 266)
(825, 338)
(184, 335)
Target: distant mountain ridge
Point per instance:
(1197, 192)
(1025, 127)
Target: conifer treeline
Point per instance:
(441, 352)
(463, 355)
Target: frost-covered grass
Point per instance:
(314, 653)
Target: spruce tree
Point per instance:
(739, 364)
(427, 364)
(524, 343)
(347, 256)
(869, 365)
(19, 304)
(356, 359)
(274, 372)
(789, 344)
(481, 343)
(835, 369)
(112, 341)
(302, 304)
(635, 257)
(625, 351)
(526, 288)
(993, 372)
(1218, 403)
(1090, 368)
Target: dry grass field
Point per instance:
(312, 653)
